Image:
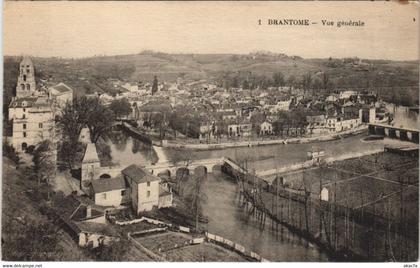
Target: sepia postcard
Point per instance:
(188, 131)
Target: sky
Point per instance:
(83, 29)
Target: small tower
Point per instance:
(90, 166)
(26, 80)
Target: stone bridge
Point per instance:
(172, 169)
(209, 165)
(405, 134)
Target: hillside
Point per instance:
(90, 75)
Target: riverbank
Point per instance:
(310, 163)
(213, 146)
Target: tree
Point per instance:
(44, 162)
(155, 85)
(278, 79)
(306, 81)
(325, 81)
(121, 108)
(71, 121)
(99, 119)
(10, 152)
(197, 197)
(257, 119)
(73, 118)
(291, 81)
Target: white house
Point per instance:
(266, 128)
(347, 94)
(144, 188)
(331, 98)
(32, 119)
(239, 129)
(110, 192)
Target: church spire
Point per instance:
(26, 80)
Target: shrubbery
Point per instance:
(10, 152)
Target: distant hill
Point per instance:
(90, 74)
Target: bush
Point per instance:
(10, 152)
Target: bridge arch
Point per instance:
(181, 173)
(104, 176)
(201, 170)
(216, 169)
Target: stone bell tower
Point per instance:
(90, 166)
(26, 80)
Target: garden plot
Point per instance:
(204, 252)
(162, 242)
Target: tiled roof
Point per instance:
(62, 88)
(106, 185)
(81, 214)
(67, 206)
(98, 228)
(26, 61)
(138, 174)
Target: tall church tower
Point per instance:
(26, 81)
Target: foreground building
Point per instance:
(32, 111)
(115, 187)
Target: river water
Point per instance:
(226, 218)
(404, 117)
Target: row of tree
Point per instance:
(248, 80)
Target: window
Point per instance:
(24, 134)
(148, 183)
(24, 77)
(40, 125)
(148, 193)
(103, 196)
(23, 116)
(24, 109)
(24, 126)
(123, 192)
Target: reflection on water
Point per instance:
(228, 219)
(403, 116)
(126, 150)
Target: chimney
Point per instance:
(88, 211)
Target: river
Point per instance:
(225, 216)
(403, 116)
(227, 219)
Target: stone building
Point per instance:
(32, 121)
(91, 167)
(31, 112)
(60, 94)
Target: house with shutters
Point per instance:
(143, 187)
